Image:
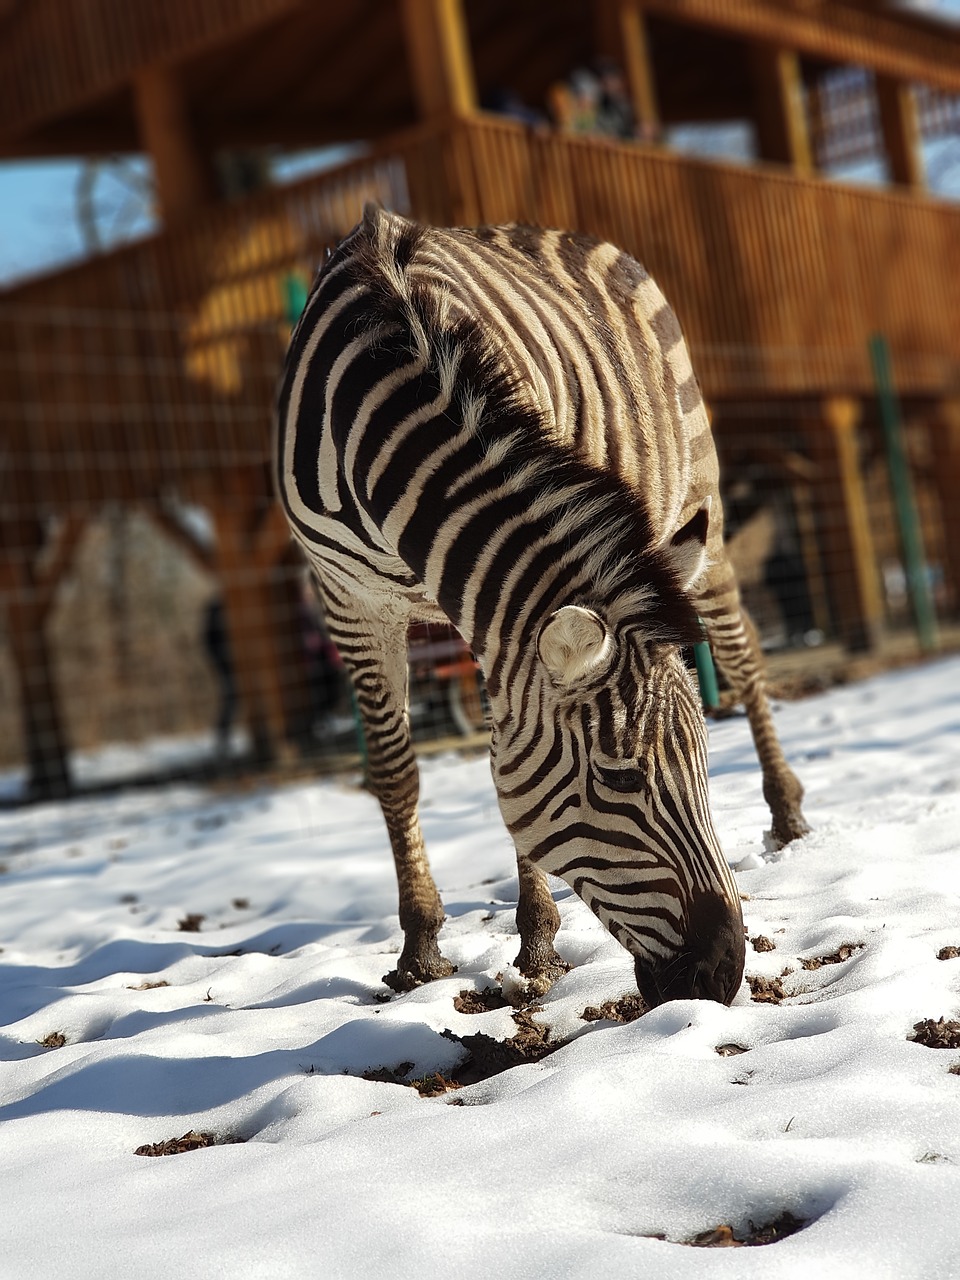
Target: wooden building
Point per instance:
(147, 373)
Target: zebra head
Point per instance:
(601, 769)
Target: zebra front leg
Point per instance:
(736, 649)
(377, 662)
(420, 908)
(537, 923)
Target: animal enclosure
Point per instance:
(139, 388)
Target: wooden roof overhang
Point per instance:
(290, 73)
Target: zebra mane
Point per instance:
(598, 524)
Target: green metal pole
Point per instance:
(911, 536)
(706, 676)
(295, 294)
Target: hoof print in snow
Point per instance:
(428, 1086)
(724, 1236)
(731, 1050)
(55, 1040)
(763, 943)
(209, 821)
(191, 1141)
(486, 1057)
(843, 952)
(479, 1001)
(766, 990)
(939, 1034)
(191, 922)
(948, 953)
(389, 1075)
(489, 1057)
(625, 1009)
(435, 1085)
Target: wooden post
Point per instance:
(185, 175)
(44, 739)
(438, 51)
(622, 36)
(945, 441)
(28, 582)
(845, 526)
(244, 607)
(251, 535)
(904, 499)
(901, 131)
(782, 132)
(804, 512)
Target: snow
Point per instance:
(129, 762)
(561, 1168)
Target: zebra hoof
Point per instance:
(412, 972)
(540, 974)
(789, 827)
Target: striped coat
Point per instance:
(501, 427)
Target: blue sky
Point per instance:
(37, 222)
(39, 228)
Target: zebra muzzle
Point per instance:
(708, 967)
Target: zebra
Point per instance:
(500, 427)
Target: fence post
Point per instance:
(945, 442)
(295, 292)
(706, 676)
(908, 522)
(844, 524)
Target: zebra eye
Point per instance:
(626, 780)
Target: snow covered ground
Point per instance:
(260, 1025)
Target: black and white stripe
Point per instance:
(501, 427)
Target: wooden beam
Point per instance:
(835, 32)
(845, 525)
(780, 114)
(184, 172)
(901, 131)
(438, 53)
(622, 36)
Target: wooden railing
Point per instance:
(778, 281)
(162, 357)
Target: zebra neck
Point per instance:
(503, 533)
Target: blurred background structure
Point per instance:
(788, 171)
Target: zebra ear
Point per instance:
(572, 642)
(686, 551)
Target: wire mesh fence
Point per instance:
(156, 618)
(160, 623)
